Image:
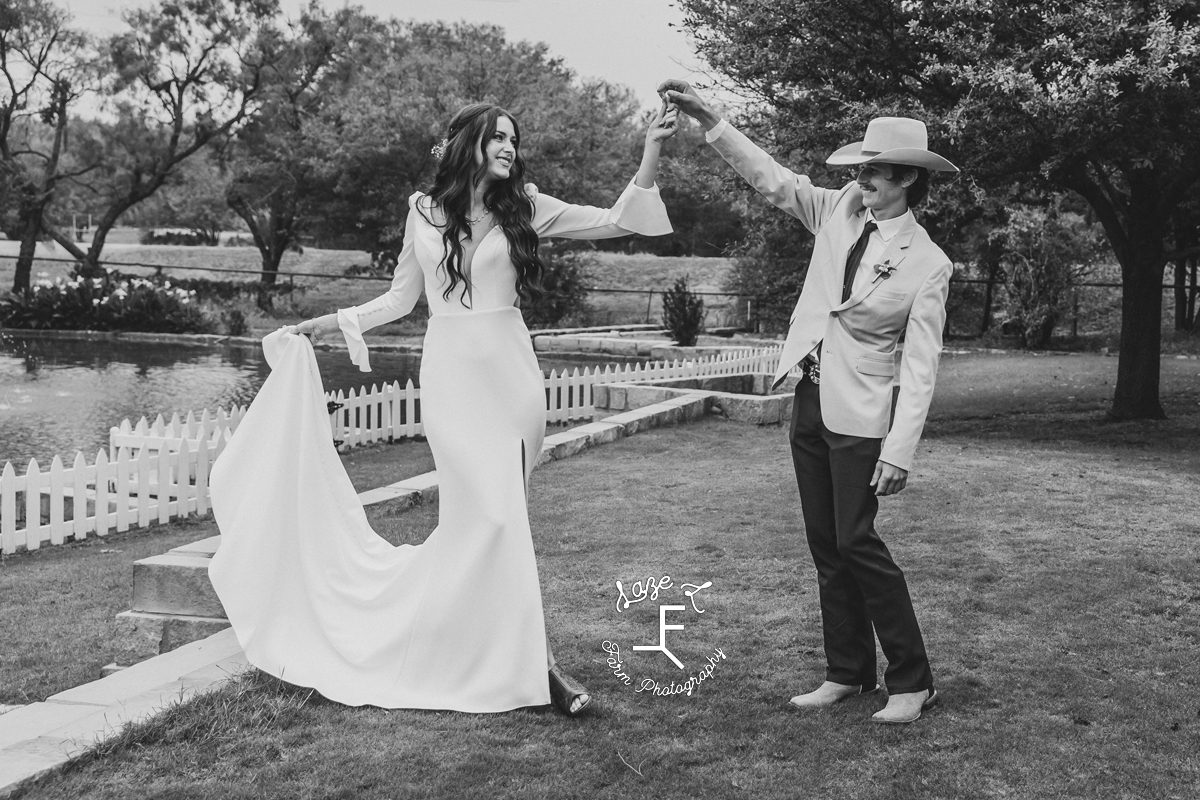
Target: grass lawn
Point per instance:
(59, 627)
(1053, 559)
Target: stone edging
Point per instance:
(41, 738)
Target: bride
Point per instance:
(314, 595)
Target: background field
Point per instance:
(1093, 323)
(640, 272)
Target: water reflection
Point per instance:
(59, 396)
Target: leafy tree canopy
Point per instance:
(1098, 97)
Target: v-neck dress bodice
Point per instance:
(314, 595)
(493, 275)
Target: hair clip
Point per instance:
(439, 149)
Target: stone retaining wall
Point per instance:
(742, 398)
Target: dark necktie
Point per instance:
(856, 254)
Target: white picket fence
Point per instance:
(390, 412)
(157, 471)
(107, 495)
(160, 434)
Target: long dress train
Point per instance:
(318, 598)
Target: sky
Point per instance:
(632, 42)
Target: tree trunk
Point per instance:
(989, 289)
(30, 234)
(1183, 321)
(1185, 239)
(1192, 292)
(1136, 395)
(270, 262)
(91, 266)
(271, 231)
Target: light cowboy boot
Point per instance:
(902, 709)
(829, 693)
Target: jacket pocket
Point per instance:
(877, 366)
(891, 297)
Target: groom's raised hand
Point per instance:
(680, 94)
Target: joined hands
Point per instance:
(677, 94)
(664, 125)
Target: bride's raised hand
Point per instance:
(664, 125)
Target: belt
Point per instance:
(812, 369)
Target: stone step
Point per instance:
(153, 634)
(203, 548)
(175, 583)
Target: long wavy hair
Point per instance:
(459, 171)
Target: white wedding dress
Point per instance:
(315, 596)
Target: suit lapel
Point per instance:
(895, 253)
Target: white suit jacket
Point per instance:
(858, 336)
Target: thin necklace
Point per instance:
(479, 219)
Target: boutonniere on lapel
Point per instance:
(884, 270)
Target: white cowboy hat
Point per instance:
(893, 140)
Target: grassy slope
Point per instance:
(1052, 558)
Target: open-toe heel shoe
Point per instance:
(566, 693)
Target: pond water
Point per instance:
(58, 396)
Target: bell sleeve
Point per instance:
(407, 284)
(637, 210)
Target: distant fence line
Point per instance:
(1185, 292)
(155, 472)
(326, 276)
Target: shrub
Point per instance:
(235, 322)
(176, 237)
(1044, 253)
(683, 313)
(105, 304)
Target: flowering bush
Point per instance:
(110, 303)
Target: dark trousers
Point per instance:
(860, 584)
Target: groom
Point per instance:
(874, 277)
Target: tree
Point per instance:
(194, 198)
(1096, 97)
(185, 75)
(44, 68)
(371, 143)
(275, 178)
